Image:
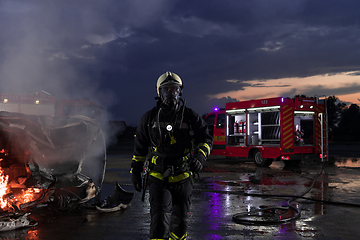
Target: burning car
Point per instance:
(46, 159)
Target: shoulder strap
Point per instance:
(150, 117)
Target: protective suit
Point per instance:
(173, 142)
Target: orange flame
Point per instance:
(32, 234)
(4, 151)
(26, 195)
(3, 188)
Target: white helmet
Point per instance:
(168, 79)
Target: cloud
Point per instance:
(58, 55)
(14, 7)
(327, 91)
(109, 37)
(199, 27)
(272, 46)
(114, 51)
(101, 39)
(332, 84)
(52, 46)
(357, 73)
(270, 86)
(233, 81)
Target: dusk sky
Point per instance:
(113, 51)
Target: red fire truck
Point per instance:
(288, 129)
(43, 103)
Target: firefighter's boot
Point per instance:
(178, 228)
(159, 226)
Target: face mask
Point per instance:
(170, 95)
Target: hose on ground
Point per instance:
(271, 215)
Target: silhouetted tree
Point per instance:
(334, 109)
(349, 128)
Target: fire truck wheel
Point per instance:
(261, 162)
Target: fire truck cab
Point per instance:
(288, 129)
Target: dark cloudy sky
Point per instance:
(113, 51)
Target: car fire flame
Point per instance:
(3, 188)
(12, 199)
(47, 160)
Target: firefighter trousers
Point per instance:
(169, 208)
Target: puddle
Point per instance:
(241, 187)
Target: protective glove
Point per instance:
(136, 181)
(195, 165)
(196, 162)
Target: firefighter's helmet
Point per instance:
(168, 79)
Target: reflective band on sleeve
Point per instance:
(206, 146)
(153, 159)
(138, 158)
(202, 152)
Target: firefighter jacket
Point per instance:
(167, 140)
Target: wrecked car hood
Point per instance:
(52, 152)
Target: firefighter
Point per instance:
(173, 142)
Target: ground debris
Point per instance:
(15, 220)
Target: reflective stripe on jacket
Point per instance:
(171, 179)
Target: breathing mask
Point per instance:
(170, 95)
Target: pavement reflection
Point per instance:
(321, 184)
(225, 187)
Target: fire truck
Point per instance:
(43, 103)
(264, 130)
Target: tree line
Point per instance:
(343, 120)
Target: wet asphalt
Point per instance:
(324, 200)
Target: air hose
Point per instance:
(270, 215)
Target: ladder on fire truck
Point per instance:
(322, 118)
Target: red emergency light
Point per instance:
(325, 156)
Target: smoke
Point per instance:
(62, 47)
(37, 51)
(69, 49)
